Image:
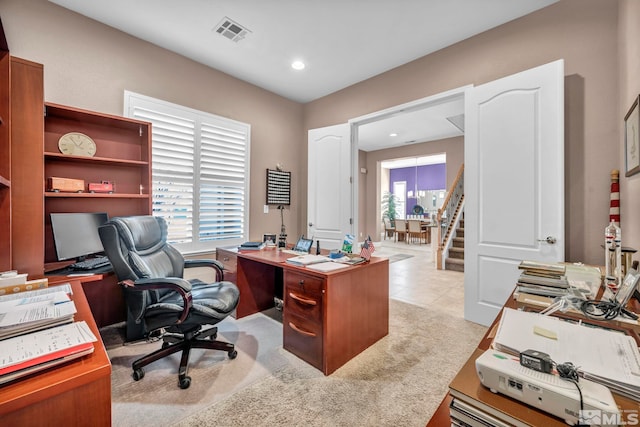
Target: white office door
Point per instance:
(329, 190)
(514, 183)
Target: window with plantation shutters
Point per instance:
(200, 170)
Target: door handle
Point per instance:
(550, 240)
(310, 224)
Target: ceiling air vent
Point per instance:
(231, 29)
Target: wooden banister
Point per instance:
(451, 202)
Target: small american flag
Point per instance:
(367, 249)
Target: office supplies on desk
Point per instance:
(326, 267)
(303, 260)
(32, 313)
(12, 278)
(252, 246)
(20, 355)
(26, 286)
(604, 356)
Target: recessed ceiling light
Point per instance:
(297, 65)
(393, 134)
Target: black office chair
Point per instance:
(160, 302)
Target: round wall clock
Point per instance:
(77, 144)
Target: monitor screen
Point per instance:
(75, 235)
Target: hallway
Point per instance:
(416, 280)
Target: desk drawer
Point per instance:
(307, 285)
(303, 296)
(303, 337)
(230, 262)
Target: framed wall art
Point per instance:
(632, 139)
(278, 187)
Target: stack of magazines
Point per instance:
(546, 279)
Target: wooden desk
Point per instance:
(468, 383)
(77, 393)
(328, 318)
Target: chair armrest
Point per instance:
(181, 286)
(212, 263)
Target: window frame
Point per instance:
(134, 100)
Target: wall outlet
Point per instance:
(266, 209)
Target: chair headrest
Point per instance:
(142, 234)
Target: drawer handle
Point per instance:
(295, 328)
(302, 300)
(225, 258)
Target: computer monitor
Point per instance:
(75, 235)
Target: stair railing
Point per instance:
(446, 213)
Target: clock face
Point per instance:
(77, 144)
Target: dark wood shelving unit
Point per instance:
(123, 157)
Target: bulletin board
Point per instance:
(278, 187)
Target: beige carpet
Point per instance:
(400, 380)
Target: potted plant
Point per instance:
(389, 202)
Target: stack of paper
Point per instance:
(303, 260)
(34, 310)
(25, 354)
(327, 266)
(601, 355)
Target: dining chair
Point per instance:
(401, 230)
(415, 231)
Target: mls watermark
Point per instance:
(596, 417)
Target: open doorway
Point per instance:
(425, 127)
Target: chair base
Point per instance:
(173, 343)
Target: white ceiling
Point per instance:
(342, 42)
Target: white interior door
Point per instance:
(329, 197)
(514, 183)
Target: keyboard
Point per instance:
(90, 263)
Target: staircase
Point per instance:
(450, 234)
(455, 260)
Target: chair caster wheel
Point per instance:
(233, 354)
(184, 382)
(138, 374)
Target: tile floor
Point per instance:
(417, 281)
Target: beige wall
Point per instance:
(583, 33)
(89, 65)
(629, 16)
